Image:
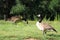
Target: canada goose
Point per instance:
(44, 26)
(16, 19)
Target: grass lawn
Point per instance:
(23, 31)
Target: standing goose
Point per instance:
(44, 26)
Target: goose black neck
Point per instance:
(39, 21)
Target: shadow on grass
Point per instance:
(16, 38)
(54, 35)
(8, 37)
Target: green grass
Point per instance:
(22, 31)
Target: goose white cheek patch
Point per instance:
(39, 15)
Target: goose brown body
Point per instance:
(44, 27)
